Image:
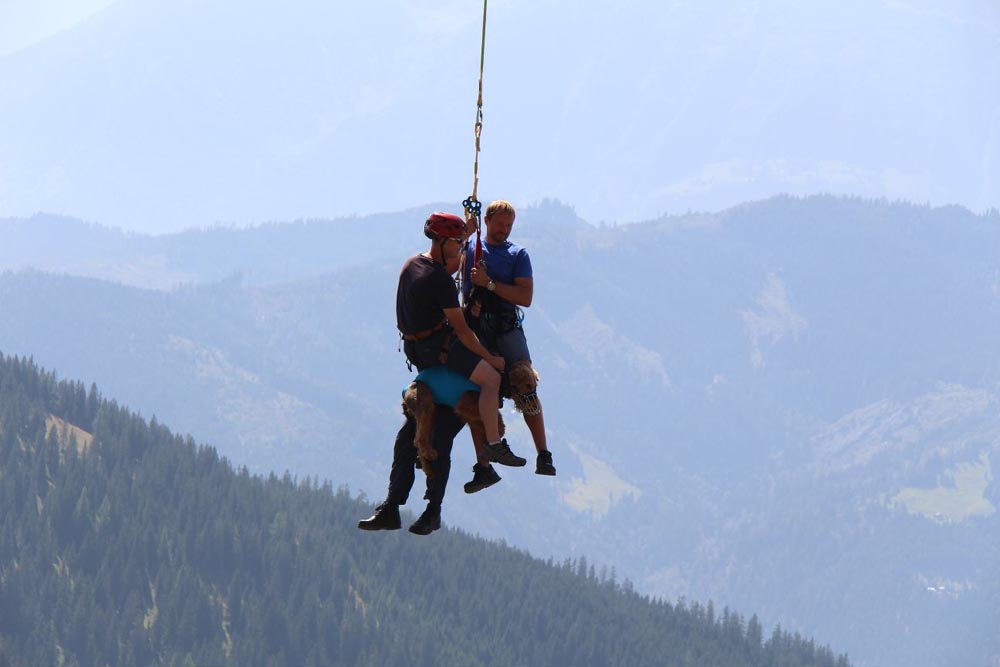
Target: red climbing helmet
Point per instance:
(444, 226)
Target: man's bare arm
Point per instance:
(519, 294)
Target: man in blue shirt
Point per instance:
(495, 291)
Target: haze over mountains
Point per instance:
(789, 406)
(156, 115)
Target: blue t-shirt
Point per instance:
(504, 263)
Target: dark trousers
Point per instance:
(404, 456)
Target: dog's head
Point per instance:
(524, 388)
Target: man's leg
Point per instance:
(488, 380)
(543, 461)
(404, 458)
(446, 427)
(470, 366)
(401, 478)
(483, 474)
(513, 347)
(536, 424)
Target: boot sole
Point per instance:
(510, 463)
(422, 531)
(375, 528)
(478, 487)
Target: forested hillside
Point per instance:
(125, 544)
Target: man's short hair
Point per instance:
(500, 206)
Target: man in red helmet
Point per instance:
(433, 327)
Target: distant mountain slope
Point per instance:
(269, 253)
(738, 402)
(143, 547)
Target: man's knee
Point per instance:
(486, 376)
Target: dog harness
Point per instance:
(446, 385)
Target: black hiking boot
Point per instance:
(427, 522)
(386, 517)
(483, 477)
(543, 464)
(499, 452)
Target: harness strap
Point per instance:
(420, 335)
(501, 321)
(445, 346)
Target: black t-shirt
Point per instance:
(425, 291)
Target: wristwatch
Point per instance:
(491, 285)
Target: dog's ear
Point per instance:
(410, 399)
(524, 378)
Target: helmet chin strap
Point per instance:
(438, 247)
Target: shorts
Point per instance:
(513, 346)
(461, 359)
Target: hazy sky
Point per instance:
(24, 22)
(162, 114)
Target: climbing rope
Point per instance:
(474, 207)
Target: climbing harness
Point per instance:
(502, 321)
(420, 335)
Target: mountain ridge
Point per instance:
(759, 329)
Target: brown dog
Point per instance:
(418, 401)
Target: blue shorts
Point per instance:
(513, 346)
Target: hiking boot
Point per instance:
(386, 517)
(483, 477)
(543, 464)
(427, 522)
(499, 452)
